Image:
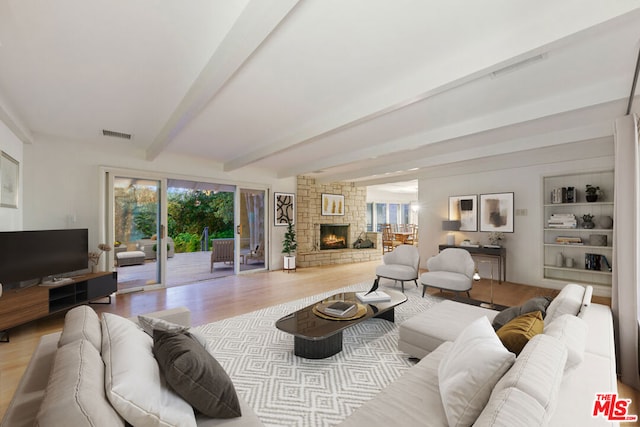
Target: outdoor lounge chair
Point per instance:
(221, 251)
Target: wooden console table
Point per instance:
(499, 253)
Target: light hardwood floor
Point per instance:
(230, 296)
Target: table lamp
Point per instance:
(451, 226)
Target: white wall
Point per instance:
(374, 195)
(524, 246)
(62, 182)
(11, 218)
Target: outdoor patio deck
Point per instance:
(182, 268)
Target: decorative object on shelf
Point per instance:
(496, 212)
(605, 222)
(568, 262)
(9, 174)
(598, 239)
(284, 209)
(464, 209)
(559, 259)
(451, 226)
(94, 257)
(495, 237)
(289, 246)
(588, 221)
(332, 204)
(566, 220)
(564, 195)
(592, 193)
(592, 262)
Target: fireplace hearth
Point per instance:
(334, 236)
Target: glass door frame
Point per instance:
(266, 227)
(107, 232)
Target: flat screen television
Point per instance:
(29, 255)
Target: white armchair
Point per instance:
(400, 265)
(451, 270)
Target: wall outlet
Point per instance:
(521, 212)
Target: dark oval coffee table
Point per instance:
(317, 338)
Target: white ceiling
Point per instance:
(361, 90)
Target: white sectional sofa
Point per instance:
(553, 381)
(65, 381)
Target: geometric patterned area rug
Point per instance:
(286, 390)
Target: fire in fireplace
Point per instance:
(334, 236)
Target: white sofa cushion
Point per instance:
(538, 371)
(511, 407)
(82, 322)
(568, 301)
(411, 400)
(132, 378)
(476, 362)
(75, 392)
(571, 331)
(424, 332)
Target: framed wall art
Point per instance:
(285, 210)
(496, 212)
(9, 173)
(465, 210)
(332, 204)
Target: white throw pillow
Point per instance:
(133, 382)
(572, 331)
(476, 362)
(568, 301)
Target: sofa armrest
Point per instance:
(28, 396)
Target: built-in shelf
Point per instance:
(578, 270)
(558, 245)
(553, 253)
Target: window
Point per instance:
(369, 216)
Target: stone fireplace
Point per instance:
(342, 231)
(334, 236)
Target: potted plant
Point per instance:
(592, 193)
(495, 237)
(587, 221)
(289, 246)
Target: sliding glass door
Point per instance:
(137, 231)
(168, 232)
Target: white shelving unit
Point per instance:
(599, 209)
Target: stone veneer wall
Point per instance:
(308, 220)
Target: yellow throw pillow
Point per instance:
(517, 332)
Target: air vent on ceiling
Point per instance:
(114, 134)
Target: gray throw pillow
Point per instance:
(195, 374)
(534, 304)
